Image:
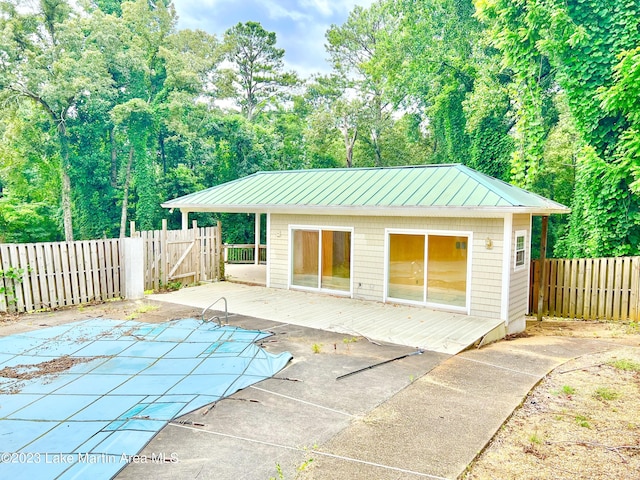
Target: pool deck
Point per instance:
(417, 327)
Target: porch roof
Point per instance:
(428, 190)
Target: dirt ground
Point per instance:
(581, 422)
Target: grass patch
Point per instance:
(535, 439)
(567, 390)
(606, 394)
(625, 364)
(583, 421)
(316, 348)
(140, 310)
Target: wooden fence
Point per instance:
(40, 276)
(182, 256)
(592, 289)
(35, 276)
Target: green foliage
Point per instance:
(606, 394)
(108, 110)
(623, 99)
(27, 222)
(8, 280)
(605, 220)
(625, 364)
(578, 48)
(583, 421)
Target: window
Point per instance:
(521, 243)
(321, 259)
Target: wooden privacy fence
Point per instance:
(592, 289)
(181, 256)
(35, 276)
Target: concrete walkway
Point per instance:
(424, 416)
(437, 425)
(415, 327)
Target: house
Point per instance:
(439, 236)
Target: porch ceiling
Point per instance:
(389, 323)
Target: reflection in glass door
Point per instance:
(406, 267)
(447, 270)
(336, 260)
(305, 258)
(428, 269)
(321, 259)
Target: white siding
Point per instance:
(368, 258)
(519, 282)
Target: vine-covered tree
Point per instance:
(49, 58)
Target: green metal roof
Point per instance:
(442, 190)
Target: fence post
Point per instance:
(164, 252)
(133, 267)
(543, 261)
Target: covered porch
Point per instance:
(250, 274)
(416, 327)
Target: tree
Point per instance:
(622, 98)
(436, 41)
(29, 176)
(359, 50)
(258, 77)
(48, 58)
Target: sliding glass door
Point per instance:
(428, 268)
(321, 259)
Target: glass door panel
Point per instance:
(305, 258)
(406, 267)
(447, 270)
(336, 260)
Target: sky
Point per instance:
(300, 25)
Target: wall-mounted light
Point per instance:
(488, 243)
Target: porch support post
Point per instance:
(185, 219)
(256, 256)
(132, 253)
(542, 281)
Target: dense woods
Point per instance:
(108, 109)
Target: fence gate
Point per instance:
(181, 256)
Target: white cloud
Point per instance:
(277, 11)
(329, 8)
(324, 7)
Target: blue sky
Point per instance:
(300, 25)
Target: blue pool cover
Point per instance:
(80, 400)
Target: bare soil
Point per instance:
(581, 422)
